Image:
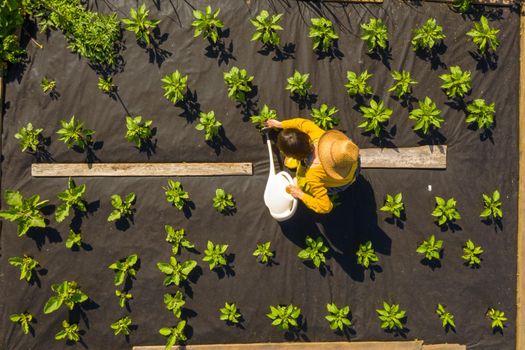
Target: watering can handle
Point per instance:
(270, 152)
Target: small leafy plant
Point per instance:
(73, 133)
(69, 332)
(366, 255)
(214, 255)
(431, 248)
(394, 205)
(338, 317)
(457, 83)
(230, 313)
(427, 36)
(374, 34)
(175, 86)
(324, 116)
(298, 84)
(492, 206)
(48, 85)
(177, 239)
(68, 293)
(481, 113)
(176, 272)
(284, 316)
(374, 117)
(138, 132)
(123, 208)
(238, 82)
(483, 35)
(263, 252)
(209, 124)
(472, 253)
(140, 24)
(23, 319)
(26, 264)
(322, 34)
(391, 317)
(29, 138)
(266, 28)
(357, 84)
(73, 239)
(426, 116)
(73, 197)
(461, 6)
(447, 319)
(175, 303)
(176, 195)
(223, 202)
(123, 297)
(497, 317)
(445, 211)
(121, 326)
(105, 84)
(264, 115)
(402, 82)
(25, 212)
(124, 268)
(207, 24)
(315, 250)
(175, 334)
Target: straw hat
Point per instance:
(337, 154)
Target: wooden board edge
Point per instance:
(444, 347)
(352, 1)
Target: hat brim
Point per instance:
(325, 155)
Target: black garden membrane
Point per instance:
(476, 164)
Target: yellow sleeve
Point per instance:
(304, 125)
(317, 199)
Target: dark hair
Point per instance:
(294, 143)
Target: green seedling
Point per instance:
(481, 113)
(175, 334)
(366, 255)
(483, 36)
(457, 83)
(73, 239)
(140, 24)
(207, 24)
(138, 132)
(26, 265)
(427, 36)
(322, 34)
(315, 250)
(374, 117)
(68, 332)
(394, 205)
(263, 252)
(472, 253)
(73, 197)
(10, 51)
(214, 255)
(338, 318)
(29, 138)
(25, 212)
(209, 124)
(492, 206)
(176, 195)
(427, 116)
(73, 133)
(223, 202)
(447, 319)
(402, 82)
(298, 84)
(105, 84)
(67, 293)
(374, 34)
(121, 326)
(264, 115)
(461, 6)
(124, 268)
(48, 85)
(24, 320)
(497, 318)
(284, 317)
(176, 272)
(174, 303)
(357, 84)
(266, 28)
(324, 116)
(229, 313)
(238, 82)
(177, 239)
(431, 248)
(123, 297)
(123, 208)
(391, 317)
(445, 211)
(175, 86)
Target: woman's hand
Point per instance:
(272, 123)
(295, 191)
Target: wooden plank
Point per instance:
(506, 3)
(139, 169)
(444, 347)
(423, 157)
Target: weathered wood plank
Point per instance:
(139, 169)
(444, 347)
(423, 157)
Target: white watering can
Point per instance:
(281, 204)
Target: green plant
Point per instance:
(177, 239)
(265, 114)
(124, 268)
(73, 133)
(176, 272)
(105, 84)
(481, 113)
(394, 205)
(366, 255)
(29, 138)
(492, 206)
(323, 117)
(140, 24)
(138, 132)
(121, 326)
(322, 34)
(11, 17)
(26, 264)
(214, 255)
(484, 36)
(73, 198)
(472, 253)
(461, 6)
(263, 252)
(284, 316)
(426, 116)
(445, 211)
(223, 201)
(238, 82)
(298, 84)
(374, 117)
(73, 239)
(209, 124)
(207, 24)
(357, 84)
(457, 83)
(174, 334)
(10, 50)
(266, 28)
(69, 332)
(338, 318)
(175, 86)
(427, 36)
(402, 80)
(174, 303)
(68, 293)
(176, 195)
(374, 34)
(23, 319)
(123, 208)
(229, 313)
(123, 296)
(391, 317)
(431, 248)
(314, 251)
(25, 212)
(48, 85)
(447, 319)
(497, 317)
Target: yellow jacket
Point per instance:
(313, 180)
